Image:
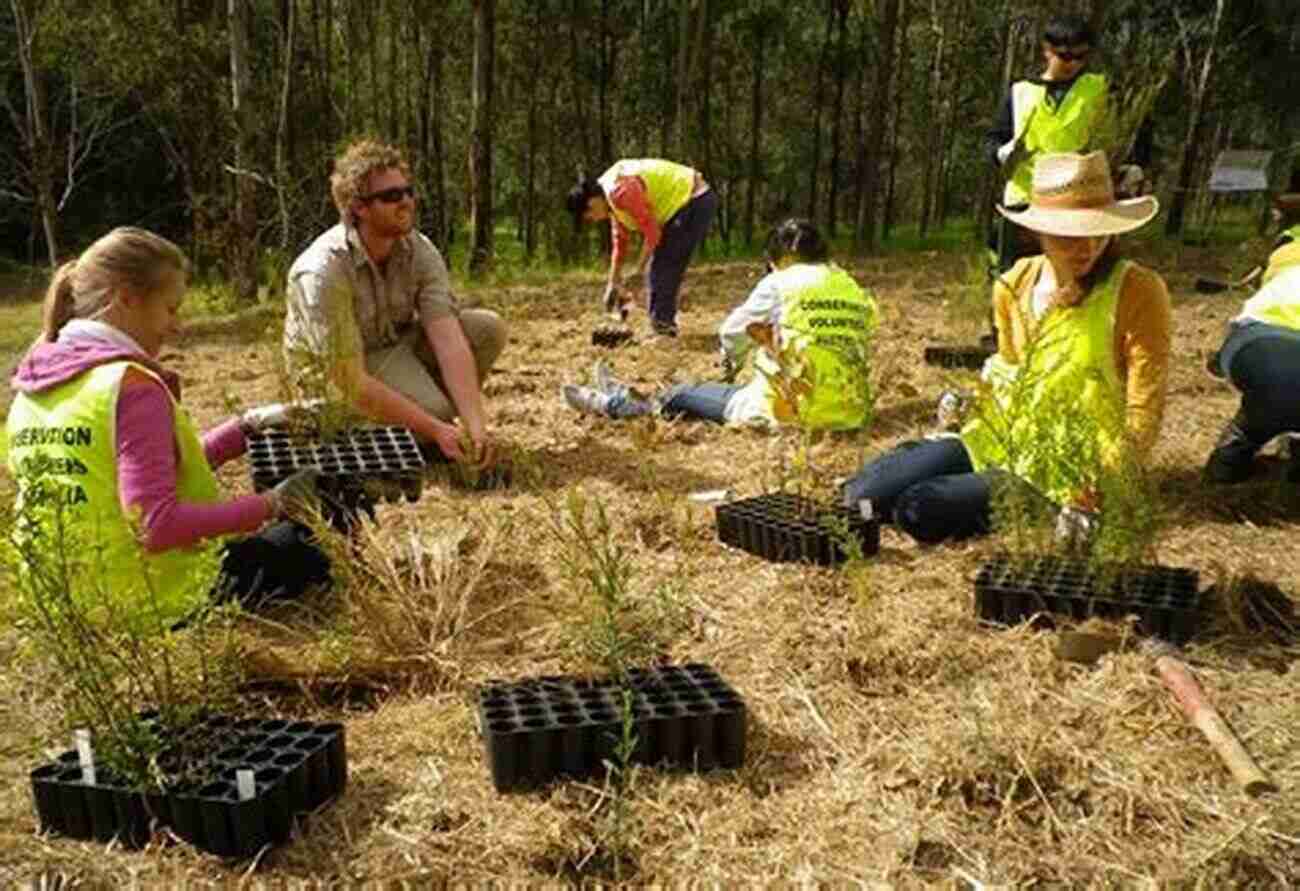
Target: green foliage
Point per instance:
(109, 658)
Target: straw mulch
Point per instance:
(894, 741)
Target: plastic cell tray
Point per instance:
(970, 357)
(610, 337)
(783, 527)
(1166, 600)
(297, 767)
(388, 454)
(541, 729)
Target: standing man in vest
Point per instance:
(1261, 358)
(370, 309)
(672, 207)
(1063, 110)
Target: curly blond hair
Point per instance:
(352, 171)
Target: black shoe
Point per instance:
(663, 329)
(1233, 458)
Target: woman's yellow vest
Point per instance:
(1081, 121)
(668, 186)
(1057, 417)
(62, 450)
(826, 326)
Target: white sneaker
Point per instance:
(585, 399)
(603, 377)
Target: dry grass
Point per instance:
(893, 741)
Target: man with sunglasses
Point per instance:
(370, 310)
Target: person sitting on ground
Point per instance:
(672, 207)
(370, 310)
(810, 326)
(97, 425)
(1079, 328)
(1261, 358)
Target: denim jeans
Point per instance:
(1263, 362)
(707, 402)
(681, 235)
(929, 489)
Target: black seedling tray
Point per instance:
(784, 527)
(971, 357)
(1166, 600)
(541, 729)
(357, 467)
(610, 337)
(297, 767)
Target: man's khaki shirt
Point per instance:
(339, 304)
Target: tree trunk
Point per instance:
(480, 159)
(837, 112)
(815, 163)
(991, 179)
(282, 127)
(242, 250)
(33, 130)
(760, 25)
(874, 143)
(901, 66)
(1200, 88)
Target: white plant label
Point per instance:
(85, 754)
(864, 508)
(244, 783)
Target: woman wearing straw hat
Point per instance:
(1261, 357)
(1083, 344)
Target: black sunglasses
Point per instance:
(391, 196)
(1066, 55)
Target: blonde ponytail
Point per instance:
(60, 302)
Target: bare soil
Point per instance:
(894, 740)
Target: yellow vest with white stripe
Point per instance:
(827, 322)
(668, 186)
(62, 450)
(1079, 122)
(1285, 257)
(1055, 418)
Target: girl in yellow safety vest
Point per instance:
(809, 326)
(1083, 345)
(1261, 358)
(103, 451)
(671, 205)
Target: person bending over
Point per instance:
(809, 326)
(1261, 358)
(97, 425)
(672, 207)
(370, 309)
(1083, 336)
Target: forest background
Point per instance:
(214, 122)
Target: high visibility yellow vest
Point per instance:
(826, 326)
(1078, 123)
(668, 186)
(1057, 416)
(1278, 304)
(62, 451)
(1285, 257)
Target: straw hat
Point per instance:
(1073, 195)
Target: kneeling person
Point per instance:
(370, 307)
(809, 325)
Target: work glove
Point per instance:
(1130, 181)
(952, 408)
(1075, 527)
(295, 493)
(728, 366)
(277, 414)
(616, 302)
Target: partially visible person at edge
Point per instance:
(97, 423)
(1078, 312)
(1065, 109)
(1261, 358)
(370, 308)
(672, 207)
(805, 312)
